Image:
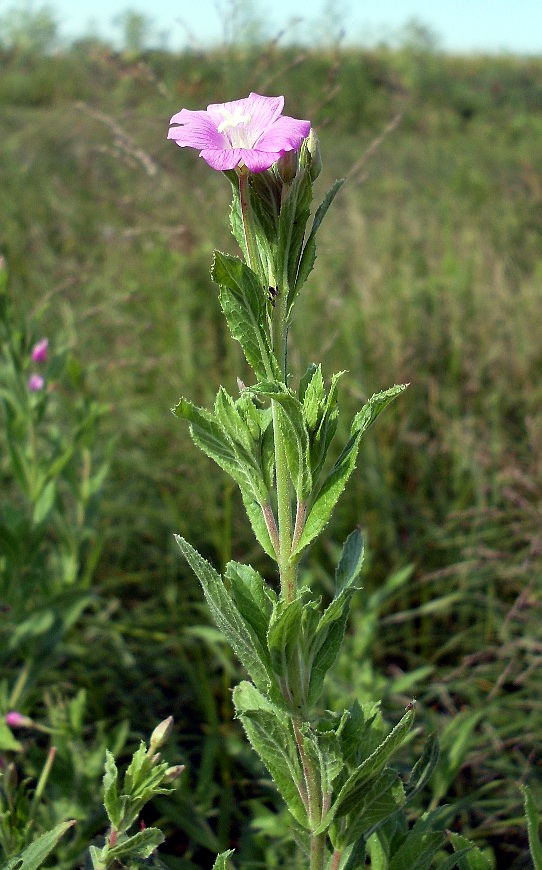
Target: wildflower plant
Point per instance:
(348, 806)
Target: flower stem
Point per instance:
(253, 258)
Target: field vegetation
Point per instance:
(429, 271)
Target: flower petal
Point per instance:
(196, 130)
(222, 158)
(286, 134)
(258, 161)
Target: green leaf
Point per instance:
(294, 214)
(294, 431)
(353, 789)
(308, 256)
(44, 503)
(332, 487)
(240, 635)
(424, 767)
(417, 852)
(111, 800)
(221, 861)
(284, 640)
(139, 845)
(454, 743)
(468, 856)
(253, 598)
(216, 443)
(243, 301)
(533, 816)
(350, 562)
(383, 797)
(36, 853)
(374, 407)
(257, 521)
(8, 743)
(271, 734)
(326, 642)
(326, 499)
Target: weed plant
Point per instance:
(434, 278)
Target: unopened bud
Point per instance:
(287, 166)
(172, 773)
(311, 158)
(161, 733)
(16, 720)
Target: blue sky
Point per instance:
(461, 25)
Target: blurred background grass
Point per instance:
(429, 271)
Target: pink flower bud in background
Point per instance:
(39, 351)
(17, 720)
(35, 383)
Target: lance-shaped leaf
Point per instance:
(271, 734)
(253, 598)
(240, 635)
(308, 256)
(294, 214)
(221, 861)
(255, 514)
(295, 436)
(424, 767)
(211, 437)
(326, 642)
(382, 798)
(324, 749)
(243, 301)
(285, 643)
(533, 822)
(350, 562)
(36, 853)
(352, 791)
(332, 487)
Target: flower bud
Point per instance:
(39, 351)
(35, 383)
(17, 720)
(311, 157)
(172, 773)
(161, 734)
(287, 166)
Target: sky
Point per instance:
(488, 26)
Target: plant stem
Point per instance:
(284, 510)
(253, 258)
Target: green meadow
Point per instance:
(429, 271)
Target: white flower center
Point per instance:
(234, 127)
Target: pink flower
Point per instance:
(17, 720)
(35, 383)
(39, 351)
(252, 131)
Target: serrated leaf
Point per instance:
(417, 852)
(326, 642)
(374, 407)
(361, 732)
(324, 748)
(328, 495)
(468, 856)
(294, 214)
(237, 631)
(139, 845)
(36, 853)
(257, 521)
(252, 597)
(215, 442)
(294, 432)
(308, 256)
(138, 766)
(353, 789)
(243, 301)
(221, 861)
(284, 641)
(350, 562)
(382, 798)
(533, 817)
(270, 733)
(231, 421)
(424, 767)
(111, 801)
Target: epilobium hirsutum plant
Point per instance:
(347, 804)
